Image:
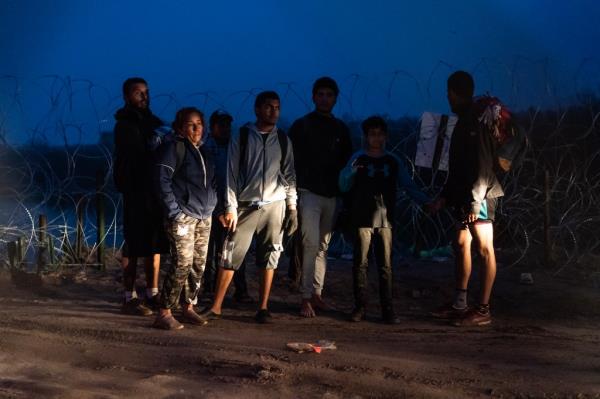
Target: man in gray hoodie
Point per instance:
(260, 201)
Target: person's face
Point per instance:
(376, 138)
(454, 100)
(268, 112)
(222, 130)
(324, 99)
(192, 128)
(138, 96)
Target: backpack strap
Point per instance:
(439, 143)
(244, 132)
(283, 144)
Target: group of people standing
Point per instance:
(205, 197)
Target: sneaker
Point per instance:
(389, 317)
(167, 323)
(189, 316)
(357, 315)
(474, 317)
(262, 316)
(243, 298)
(153, 303)
(208, 314)
(448, 312)
(135, 308)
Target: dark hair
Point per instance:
(265, 96)
(183, 114)
(128, 84)
(219, 116)
(325, 83)
(461, 83)
(373, 122)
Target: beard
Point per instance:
(460, 108)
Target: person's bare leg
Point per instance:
(462, 274)
(462, 268)
(224, 278)
(463, 258)
(484, 234)
(265, 287)
(152, 269)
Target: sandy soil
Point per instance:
(63, 337)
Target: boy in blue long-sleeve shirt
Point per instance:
(372, 176)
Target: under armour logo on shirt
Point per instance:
(371, 170)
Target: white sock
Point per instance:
(151, 292)
(129, 295)
(460, 301)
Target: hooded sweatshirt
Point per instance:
(189, 187)
(262, 178)
(135, 142)
(471, 174)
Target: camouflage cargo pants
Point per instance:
(189, 245)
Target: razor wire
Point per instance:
(41, 176)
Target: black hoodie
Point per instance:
(322, 146)
(134, 142)
(471, 175)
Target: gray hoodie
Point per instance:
(260, 180)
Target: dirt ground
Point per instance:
(63, 337)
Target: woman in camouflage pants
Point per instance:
(186, 185)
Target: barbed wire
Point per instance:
(55, 173)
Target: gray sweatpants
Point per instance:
(317, 216)
(266, 222)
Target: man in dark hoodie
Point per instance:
(135, 142)
(471, 190)
(322, 146)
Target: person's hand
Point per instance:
(471, 217)
(290, 222)
(356, 166)
(228, 220)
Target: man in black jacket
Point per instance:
(471, 190)
(135, 142)
(322, 146)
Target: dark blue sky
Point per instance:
(388, 56)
